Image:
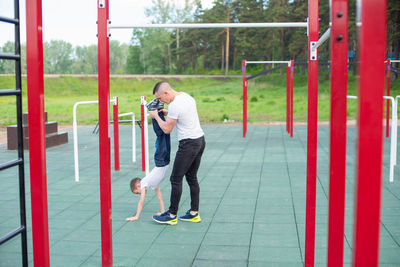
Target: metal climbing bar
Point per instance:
(267, 62)
(4, 92)
(9, 20)
(213, 25)
(9, 56)
(10, 164)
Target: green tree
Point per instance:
(118, 57)
(134, 62)
(57, 57)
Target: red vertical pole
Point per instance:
(37, 142)
(338, 127)
(368, 186)
(291, 96)
(388, 94)
(244, 99)
(104, 133)
(116, 135)
(288, 99)
(312, 128)
(142, 122)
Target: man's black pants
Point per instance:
(187, 162)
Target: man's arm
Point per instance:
(160, 199)
(166, 125)
(139, 206)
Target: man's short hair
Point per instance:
(134, 182)
(158, 86)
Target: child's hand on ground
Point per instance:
(134, 218)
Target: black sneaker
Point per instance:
(155, 104)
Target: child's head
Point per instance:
(135, 185)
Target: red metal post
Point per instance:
(104, 133)
(388, 94)
(291, 96)
(37, 142)
(368, 186)
(288, 99)
(312, 128)
(116, 135)
(142, 122)
(244, 99)
(338, 127)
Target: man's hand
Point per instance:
(153, 113)
(164, 111)
(134, 218)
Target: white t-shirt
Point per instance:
(184, 110)
(154, 178)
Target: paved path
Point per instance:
(252, 204)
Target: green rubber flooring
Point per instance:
(252, 204)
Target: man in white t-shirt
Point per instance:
(182, 113)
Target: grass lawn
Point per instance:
(217, 99)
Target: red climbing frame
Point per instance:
(37, 143)
(104, 134)
(388, 94)
(338, 127)
(143, 120)
(291, 96)
(313, 26)
(244, 99)
(368, 186)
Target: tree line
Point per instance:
(212, 51)
(60, 57)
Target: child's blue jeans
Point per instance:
(163, 144)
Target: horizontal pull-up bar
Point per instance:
(267, 62)
(215, 25)
(264, 72)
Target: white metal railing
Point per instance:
(393, 137)
(75, 132)
(133, 133)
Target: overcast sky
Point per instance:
(75, 20)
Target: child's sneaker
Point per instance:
(155, 104)
(165, 218)
(190, 218)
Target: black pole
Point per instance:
(18, 85)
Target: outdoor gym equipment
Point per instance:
(372, 48)
(289, 90)
(75, 132)
(393, 138)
